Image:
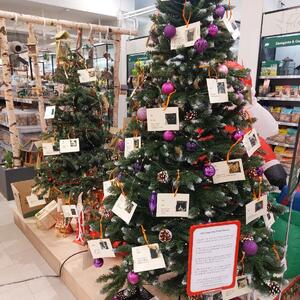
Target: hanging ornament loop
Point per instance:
(186, 20)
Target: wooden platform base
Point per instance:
(81, 281)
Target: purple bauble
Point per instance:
(238, 134)
(260, 171)
(250, 247)
(239, 96)
(142, 113)
(168, 88)
(220, 11)
(223, 69)
(213, 30)
(169, 136)
(209, 171)
(201, 45)
(137, 167)
(191, 146)
(169, 31)
(121, 145)
(115, 298)
(153, 202)
(98, 262)
(133, 278)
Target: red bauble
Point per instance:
(94, 234)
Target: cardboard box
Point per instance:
(21, 190)
(46, 217)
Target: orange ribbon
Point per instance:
(257, 197)
(230, 15)
(177, 182)
(231, 148)
(144, 234)
(276, 252)
(166, 103)
(242, 262)
(186, 21)
(101, 228)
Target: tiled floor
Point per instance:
(19, 260)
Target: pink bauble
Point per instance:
(142, 113)
(169, 136)
(223, 69)
(239, 96)
(133, 278)
(168, 88)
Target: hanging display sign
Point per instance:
(282, 41)
(213, 255)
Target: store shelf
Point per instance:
(280, 101)
(287, 124)
(280, 144)
(26, 129)
(280, 77)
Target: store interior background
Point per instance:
(135, 14)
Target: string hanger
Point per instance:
(186, 20)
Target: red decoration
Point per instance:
(200, 131)
(117, 244)
(94, 234)
(206, 138)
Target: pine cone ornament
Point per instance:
(165, 235)
(163, 176)
(246, 237)
(190, 115)
(252, 173)
(106, 213)
(274, 288)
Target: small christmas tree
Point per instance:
(79, 114)
(182, 160)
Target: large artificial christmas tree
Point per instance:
(79, 113)
(182, 160)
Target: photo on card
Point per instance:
(269, 219)
(212, 296)
(232, 27)
(217, 90)
(124, 208)
(256, 209)
(132, 144)
(186, 36)
(251, 142)
(48, 149)
(232, 170)
(101, 248)
(87, 75)
(106, 187)
(70, 211)
(159, 119)
(170, 205)
(49, 112)
(242, 287)
(69, 145)
(147, 258)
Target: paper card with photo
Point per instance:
(217, 90)
(186, 36)
(256, 209)
(124, 208)
(49, 112)
(269, 219)
(147, 258)
(171, 205)
(251, 142)
(101, 248)
(161, 120)
(70, 211)
(87, 75)
(232, 170)
(69, 145)
(232, 27)
(242, 287)
(106, 187)
(217, 295)
(33, 200)
(48, 149)
(132, 144)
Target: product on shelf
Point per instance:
(275, 111)
(269, 68)
(285, 115)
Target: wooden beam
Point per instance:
(117, 49)
(8, 95)
(37, 76)
(66, 24)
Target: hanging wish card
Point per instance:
(101, 248)
(217, 90)
(228, 171)
(69, 145)
(256, 209)
(186, 36)
(48, 149)
(132, 144)
(251, 142)
(124, 208)
(33, 200)
(87, 75)
(162, 120)
(49, 112)
(242, 287)
(232, 27)
(171, 205)
(269, 219)
(106, 187)
(70, 211)
(147, 258)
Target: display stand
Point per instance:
(81, 281)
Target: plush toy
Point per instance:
(283, 199)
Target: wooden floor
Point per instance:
(79, 278)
